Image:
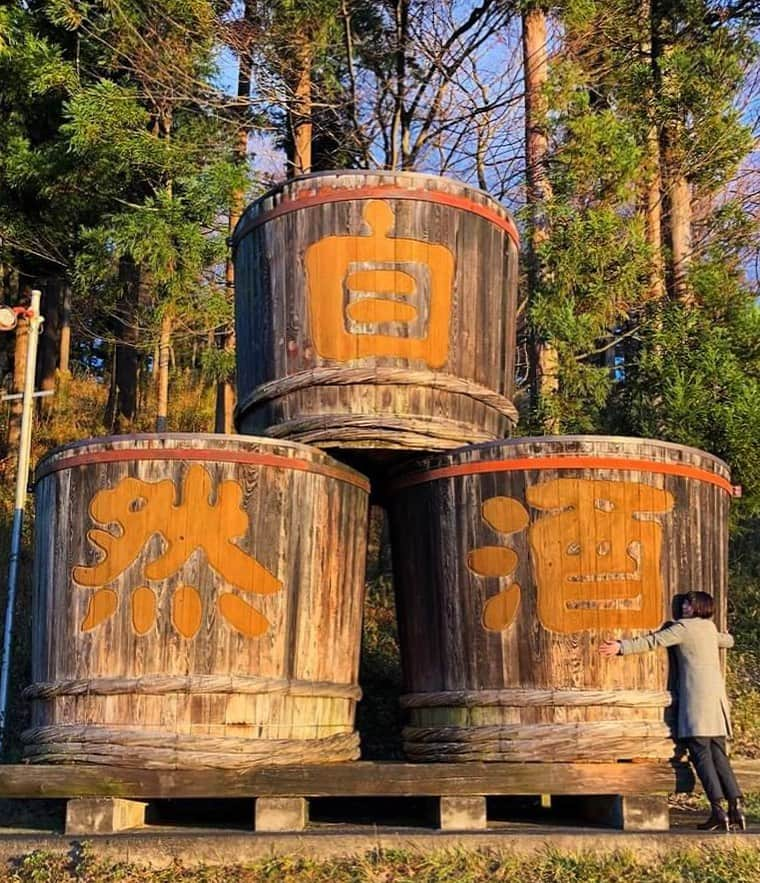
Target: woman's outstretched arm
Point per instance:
(664, 637)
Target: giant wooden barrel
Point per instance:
(514, 560)
(376, 310)
(198, 603)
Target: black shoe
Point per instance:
(736, 817)
(718, 820)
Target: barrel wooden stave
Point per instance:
(277, 339)
(451, 660)
(305, 525)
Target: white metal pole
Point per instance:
(22, 481)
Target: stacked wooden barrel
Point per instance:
(377, 311)
(198, 598)
(513, 561)
(210, 616)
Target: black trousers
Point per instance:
(708, 754)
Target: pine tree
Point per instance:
(643, 118)
(593, 254)
(693, 377)
(146, 127)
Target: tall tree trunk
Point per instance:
(21, 337)
(164, 357)
(400, 136)
(545, 367)
(652, 188)
(64, 355)
(50, 340)
(300, 114)
(121, 408)
(9, 279)
(225, 337)
(676, 189)
(679, 216)
(653, 214)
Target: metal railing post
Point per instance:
(22, 482)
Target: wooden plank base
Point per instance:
(627, 796)
(366, 779)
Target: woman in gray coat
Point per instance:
(703, 712)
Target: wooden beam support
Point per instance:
(359, 779)
(630, 812)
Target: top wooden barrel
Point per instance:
(376, 310)
(513, 560)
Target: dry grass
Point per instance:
(710, 865)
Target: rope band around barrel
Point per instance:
(144, 749)
(512, 732)
(593, 740)
(494, 213)
(157, 685)
(521, 698)
(553, 462)
(378, 376)
(346, 430)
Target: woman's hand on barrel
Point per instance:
(610, 648)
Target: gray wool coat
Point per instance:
(703, 708)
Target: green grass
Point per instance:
(706, 865)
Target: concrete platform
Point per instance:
(513, 829)
(160, 848)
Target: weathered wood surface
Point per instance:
(198, 603)
(376, 310)
(362, 779)
(513, 561)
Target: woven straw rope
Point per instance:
(195, 684)
(378, 376)
(540, 742)
(520, 698)
(413, 432)
(132, 747)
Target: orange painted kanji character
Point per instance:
(597, 553)
(505, 515)
(380, 295)
(141, 509)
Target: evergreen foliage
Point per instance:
(685, 370)
(134, 164)
(119, 166)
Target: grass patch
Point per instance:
(705, 865)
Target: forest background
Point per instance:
(623, 135)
